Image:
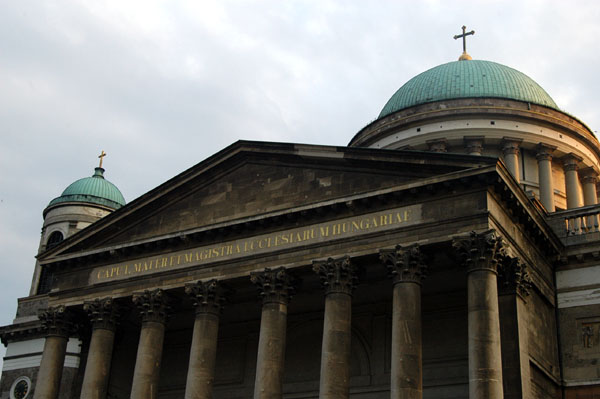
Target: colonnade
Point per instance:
(482, 255)
(573, 175)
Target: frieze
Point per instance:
(260, 244)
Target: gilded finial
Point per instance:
(101, 156)
(464, 56)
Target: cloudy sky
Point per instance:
(161, 85)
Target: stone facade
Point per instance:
(380, 273)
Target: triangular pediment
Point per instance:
(250, 179)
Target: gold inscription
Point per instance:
(289, 238)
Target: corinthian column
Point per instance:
(480, 253)
(103, 314)
(338, 277)
(514, 284)
(58, 325)
(208, 299)
(153, 307)
(406, 268)
(544, 158)
(275, 288)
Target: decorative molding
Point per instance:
(208, 296)
(337, 275)
(513, 277)
(480, 251)
(57, 321)
(274, 286)
(103, 313)
(404, 264)
(153, 305)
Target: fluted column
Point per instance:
(208, 299)
(58, 325)
(544, 158)
(514, 284)
(407, 269)
(572, 180)
(480, 254)
(510, 152)
(338, 277)
(153, 307)
(275, 287)
(103, 314)
(474, 144)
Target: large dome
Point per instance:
(95, 189)
(467, 79)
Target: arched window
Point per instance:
(54, 239)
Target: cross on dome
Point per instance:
(464, 56)
(101, 156)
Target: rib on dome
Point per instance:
(464, 79)
(95, 189)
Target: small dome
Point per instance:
(464, 79)
(95, 189)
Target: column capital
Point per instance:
(544, 152)
(438, 145)
(479, 251)
(513, 277)
(57, 321)
(336, 275)
(404, 264)
(474, 144)
(153, 305)
(207, 296)
(570, 162)
(103, 313)
(274, 286)
(588, 175)
(511, 145)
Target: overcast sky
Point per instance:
(161, 85)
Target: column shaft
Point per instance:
(485, 362)
(97, 369)
(51, 368)
(510, 151)
(208, 300)
(406, 372)
(203, 354)
(545, 180)
(147, 363)
(407, 268)
(572, 181)
(515, 353)
(271, 351)
(154, 307)
(335, 352)
(338, 277)
(275, 287)
(589, 180)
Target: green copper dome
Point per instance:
(95, 189)
(466, 79)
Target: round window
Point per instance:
(20, 388)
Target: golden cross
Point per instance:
(102, 155)
(464, 37)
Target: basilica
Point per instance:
(450, 250)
